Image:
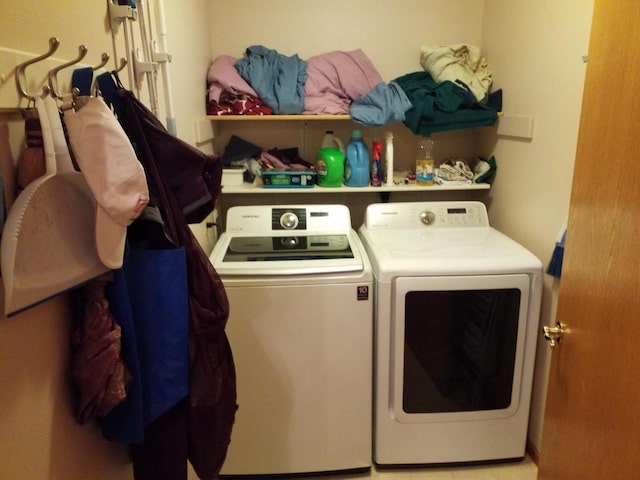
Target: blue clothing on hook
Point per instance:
(149, 299)
(555, 265)
(109, 91)
(82, 79)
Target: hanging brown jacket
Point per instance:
(178, 174)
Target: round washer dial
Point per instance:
(289, 220)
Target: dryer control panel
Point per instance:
(426, 214)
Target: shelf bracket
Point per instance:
(384, 197)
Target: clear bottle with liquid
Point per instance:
(424, 162)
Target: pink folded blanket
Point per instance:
(222, 76)
(337, 78)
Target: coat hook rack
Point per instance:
(53, 74)
(21, 79)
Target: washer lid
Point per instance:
(286, 254)
(288, 240)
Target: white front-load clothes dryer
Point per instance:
(456, 316)
(301, 331)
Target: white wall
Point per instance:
(535, 50)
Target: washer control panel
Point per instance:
(289, 219)
(280, 219)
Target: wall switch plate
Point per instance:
(204, 131)
(520, 126)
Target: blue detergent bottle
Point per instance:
(356, 171)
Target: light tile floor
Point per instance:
(524, 470)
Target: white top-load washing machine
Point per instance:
(301, 318)
(456, 316)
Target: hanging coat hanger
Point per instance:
(21, 80)
(53, 74)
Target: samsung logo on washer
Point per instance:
(250, 216)
(389, 213)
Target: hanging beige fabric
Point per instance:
(48, 242)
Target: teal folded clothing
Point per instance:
(439, 107)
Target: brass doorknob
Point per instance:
(554, 334)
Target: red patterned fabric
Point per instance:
(230, 104)
(99, 375)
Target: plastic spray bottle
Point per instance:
(376, 167)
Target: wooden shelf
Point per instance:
(271, 118)
(249, 188)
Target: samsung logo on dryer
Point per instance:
(250, 216)
(389, 213)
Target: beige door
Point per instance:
(592, 422)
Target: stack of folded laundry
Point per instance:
(460, 171)
(453, 171)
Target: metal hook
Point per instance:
(52, 75)
(54, 43)
(123, 64)
(103, 62)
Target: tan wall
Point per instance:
(39, 437)
(534, 49)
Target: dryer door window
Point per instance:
(457, 345)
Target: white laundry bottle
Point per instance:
(331, 141)
(388, 159)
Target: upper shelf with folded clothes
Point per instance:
(264, 84)
(277, 117)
